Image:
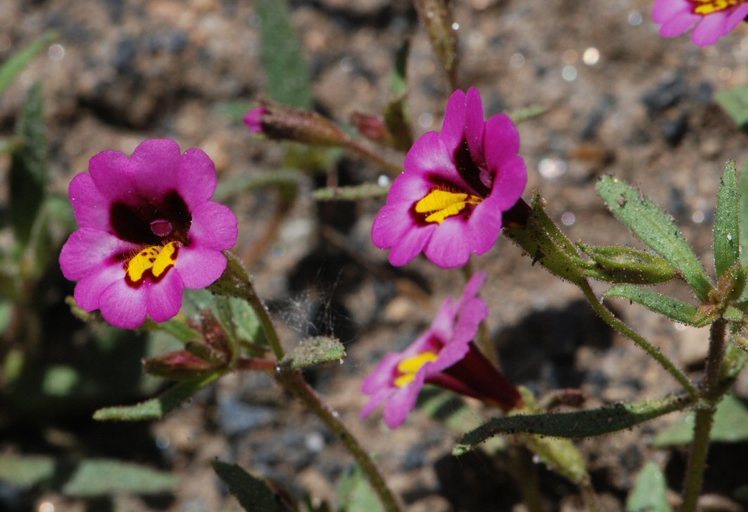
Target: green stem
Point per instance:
(294, 382)
(610, 319)
(712, 394)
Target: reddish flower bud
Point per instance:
(282, 122)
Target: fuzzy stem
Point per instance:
(704, 418)
(294, 382)
(364, 151)
(654, 352)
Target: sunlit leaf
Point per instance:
(101, 477)
(662, 304)
(650, 491)
(656, 229)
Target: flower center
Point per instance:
(441, 204)
(155, 258)
(706, 7)
(161, 228)
(409, 367)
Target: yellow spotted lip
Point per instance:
(706, 7)
(441, 204)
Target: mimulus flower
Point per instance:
(147, 230)
(449, 200)
(713, 18)
(444, 356)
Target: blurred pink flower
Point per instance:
(443, 356)
(147, 230)
(449, 201)
(253, 119)
(713, 18)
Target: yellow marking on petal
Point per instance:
(706, 7)
(409, 367)
(442, 204)
(155, 258)
(165, 260)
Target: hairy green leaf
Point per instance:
(656, 229)
(314, 351)
(627, 265)
(726, 229)
(650, 491)
(560, 455)
(252, 493)
(573, 425)
(102, 477)
(734, 101)
(730, 425)
(14, 65)
(352, 193)
(156, 407)
(28, 169)
(524, 114)
(662, 304)
(285, 67)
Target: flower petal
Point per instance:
(710, 29)
(453, 127)
(679, 24)
(429, 156)
(500, 141)
(411, 244)
(199, 267)
(165, 297)
(88, 248)
(474, 126)
(197, 177)
(391, 224)
(449, 246)
(402, 401)
(89, 289)
(214, 226)
(510, 182)
(123, 306)
(90, 207)
(737, 15)
(155, 163)
(381, 376)
(111, 171)
(665, 10)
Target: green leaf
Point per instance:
(355, 493)
(314, 351)
(560, 455)
(730, 425)
(352, 193)
(650, 491)
(734, 101)
(573, 425)
(743, 220)
(102, 477)
(26, 470)
(156, 407)
(662, 304)
(726, 229)
(28, 169)
(656, 229)
(519, 116)
(253, 494)
(177, 327)
(6, 311)
(285, 67)
(85, 478)
(14, 65)
(627, 265)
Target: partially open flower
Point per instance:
(147, 230)
(449, 201)
(283, 122)
(443, 356)
(713, 18)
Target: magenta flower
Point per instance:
(443, 356)
(449, 201)
(147, 230)
(713, 18)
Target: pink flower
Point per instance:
(147, 230)
(444, 356)
(713, 18)
(449, 201)
(253, 119)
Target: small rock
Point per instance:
(237, 417)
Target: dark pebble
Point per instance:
(236, 417)
(666, 94)
(674, 130)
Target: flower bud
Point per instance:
(282, 122)
(372, 127)
(181, 365)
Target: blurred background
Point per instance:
(620, 100)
